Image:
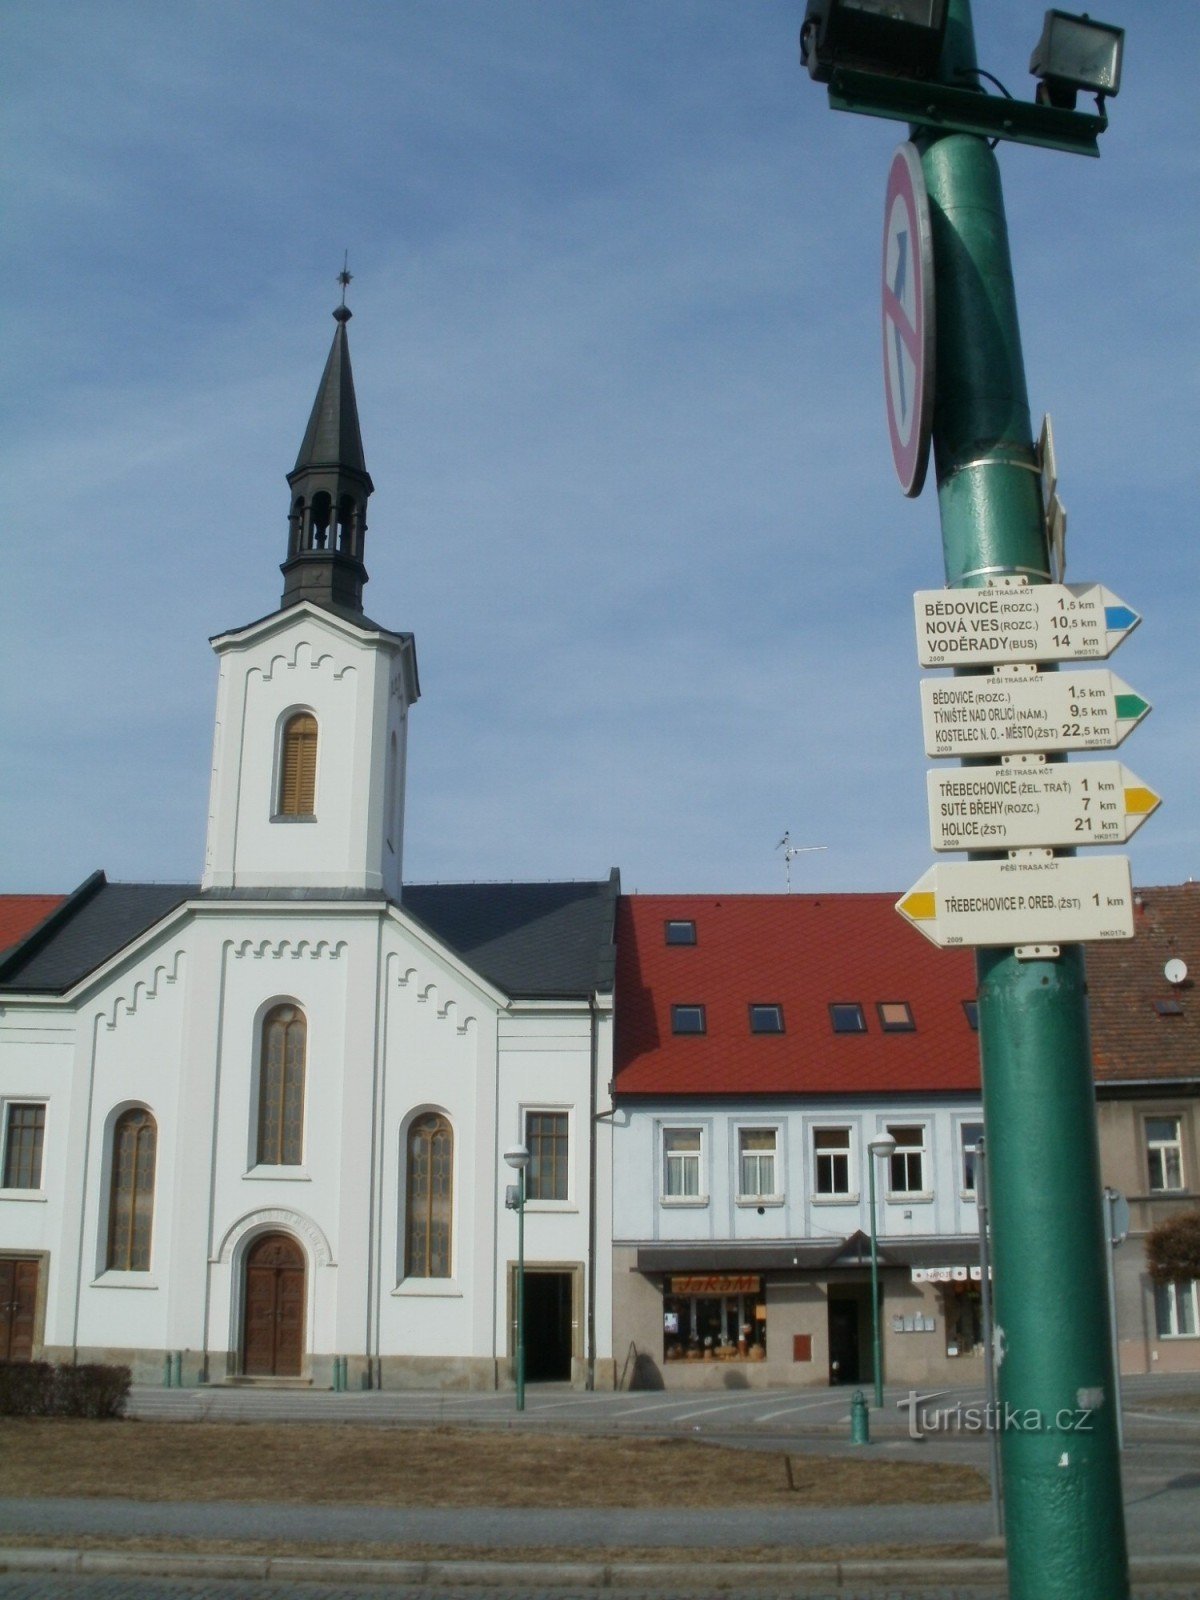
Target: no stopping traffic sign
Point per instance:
(908, 319)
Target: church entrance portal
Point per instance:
(273, 1326)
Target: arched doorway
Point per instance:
(273, 1323)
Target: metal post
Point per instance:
(1110, 1227)
(989, 1349)
(1062, 1484)
(876, 1342)
(521, 1290)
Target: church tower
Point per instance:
(312, 700)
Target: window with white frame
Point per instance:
(1164, 1154)
(1175, 1314)
(907, 1165)
(831, 1160)
(681, 1163)
(969, 1134)
(24, 1132)
(756, 1162)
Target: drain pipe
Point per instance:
(591, 1257)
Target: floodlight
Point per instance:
(900, 38)
(1076, 53)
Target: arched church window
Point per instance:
(429, 1192)
(131, 1197)
(295, 525)
(322, 512)
(281, 1087)
(298, 766)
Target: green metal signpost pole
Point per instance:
(1062, 1486)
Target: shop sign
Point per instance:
(716, 1283)
(946, 1274)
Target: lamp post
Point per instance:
(518, 1158)
(882, 1146)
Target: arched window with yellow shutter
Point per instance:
(429, 1197)
(131, 1197)
(281, 1087)
(298, 766)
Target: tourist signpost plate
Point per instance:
(1044, 901)
(1015, 807)
(1035, 622)
(908, 318)
(1012, 711)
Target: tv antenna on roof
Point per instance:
(789, 850)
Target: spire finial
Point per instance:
(345, 278)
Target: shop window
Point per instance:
(429, 1198)
(1164, 1154)
(907, 1164)
(756, 1163)
(1175, 1314)
(688, 1019)
(766, 1019)
(131, 1197)
(680, 930)
(546, 1134)
(963, 1307)
(714, 1317)
(25, 1129)
(281, 1087)
(681, 1163)
(969, 1133)
(847, 1017)
(895, 1016)
(831, 1160)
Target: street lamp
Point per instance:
(518, 1158)
(883, 1145)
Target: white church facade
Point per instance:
(254, 1127)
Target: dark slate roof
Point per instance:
(344, 612)
(552, 940)
(531, 940)
(90, 925)
(333, 438)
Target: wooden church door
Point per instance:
(273, 1336)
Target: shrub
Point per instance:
(36, 1389)
(91, 1391)
(26, 1388)
(1173, 1248)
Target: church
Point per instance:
(255, 1127)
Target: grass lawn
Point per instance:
(344, 1464)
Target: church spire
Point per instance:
(330, 484)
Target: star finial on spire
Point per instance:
(345, 277)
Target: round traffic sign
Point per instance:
(908, 319)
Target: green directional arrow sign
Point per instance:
(1019, 709)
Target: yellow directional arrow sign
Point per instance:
(1020, 805)
(1042, 900)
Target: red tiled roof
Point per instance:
(21, 913)
(803, 953)
(1130, 1039)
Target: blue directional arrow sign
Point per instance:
(1012, 621)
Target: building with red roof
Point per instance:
(20, 914)
(763, 1043)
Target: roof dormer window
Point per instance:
(680, 930)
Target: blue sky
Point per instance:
(616, 347)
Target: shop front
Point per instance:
(714, 1316)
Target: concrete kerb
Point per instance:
(725, 1577)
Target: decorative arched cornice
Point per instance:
(144, 989)
(271, 1219)
(277, 949)
(427, 993)
(290, 663)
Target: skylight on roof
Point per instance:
(688, 1019)
(766, 1019)
(848, 1017)
(971, 1012)
(681, 930)
(1168, 1008)
(895, 1016)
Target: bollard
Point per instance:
(178, 1363)
(166, 1369)
(860, 1423)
